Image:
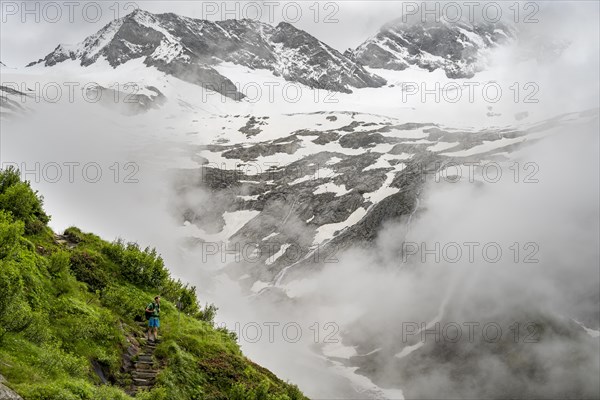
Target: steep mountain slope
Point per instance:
(271, 208)
(188, 49)
(457, 48)
(11, 103)
(319, 190)
(71, 319)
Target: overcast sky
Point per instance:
(341, 24)
(23, 39)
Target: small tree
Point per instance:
(21, 200)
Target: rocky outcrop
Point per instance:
(6, 393)
(357, 177)
(460, 49)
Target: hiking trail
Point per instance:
(145, 369)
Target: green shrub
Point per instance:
(263, 391)
(294, 392)
(33, 227)
(238, 392)
(64, 389)
(55, 362)
(177, 292)
(47, 391)
(9, 177)
(208, 314)
(59, 263)
(188, 300)
(74, 234)
(11, 285)
(60, 272)
(10, 234)
(19, 199)
(230, 334)
(105, 392)
(143, 268)
(88, 267)
(127, 301)
(154, 394)
(38, 330)
(15, 312)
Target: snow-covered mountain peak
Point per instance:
(459, 48)
(189, 48)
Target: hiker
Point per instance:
(153, 315)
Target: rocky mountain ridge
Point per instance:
(460, 49)
(190, 48)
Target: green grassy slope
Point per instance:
(72, 305)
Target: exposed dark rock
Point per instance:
(457, 48)
(262, 150)
(358, 140)
(252, 127)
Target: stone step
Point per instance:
(145, 371)
(142, 382)
(144, 365)
(148, 374)
(145, 357)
